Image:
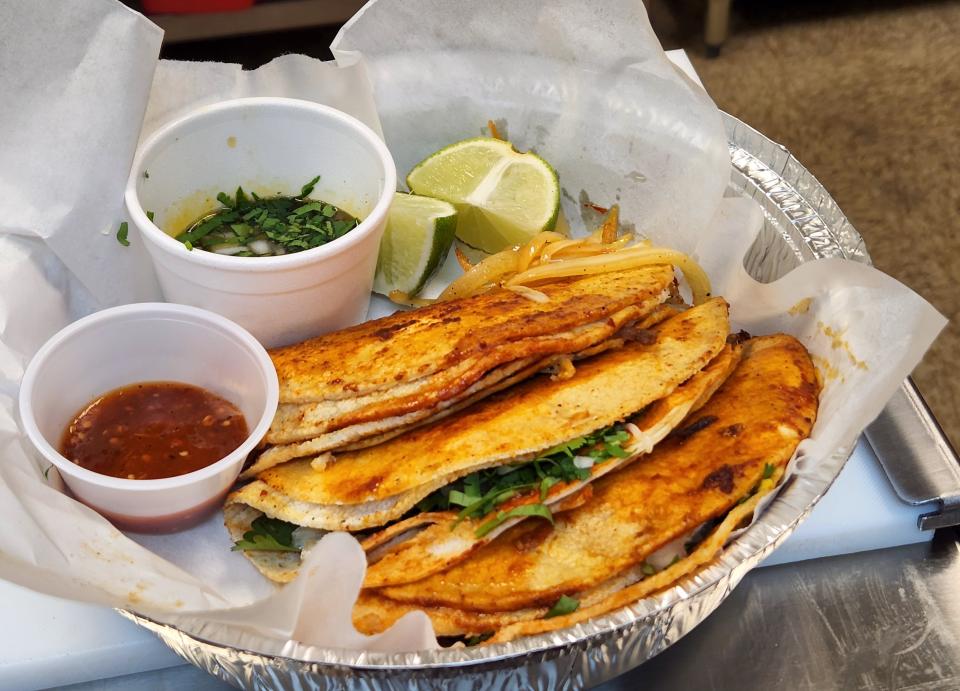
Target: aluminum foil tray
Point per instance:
(802, 222)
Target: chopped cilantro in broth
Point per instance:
(253, 226)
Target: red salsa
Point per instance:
(153, 430)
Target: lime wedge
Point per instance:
(504, 197)
(419, 233)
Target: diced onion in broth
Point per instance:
(261, 247)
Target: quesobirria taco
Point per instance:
(360, 386)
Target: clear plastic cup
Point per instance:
(137, 343)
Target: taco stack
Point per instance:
(563, 486)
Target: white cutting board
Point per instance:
(45, 641)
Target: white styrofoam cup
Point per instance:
(270, 146)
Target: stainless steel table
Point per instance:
(882, 620)
(887, 619)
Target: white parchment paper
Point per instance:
(584, 84)
(587, 86)
(75, 79)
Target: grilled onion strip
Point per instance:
(551, 255)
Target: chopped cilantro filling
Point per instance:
(479, 494)
(565, 605)
(268, 534)
(471, 641)
(503, 516)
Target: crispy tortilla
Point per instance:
(378, 431)
(411, 347)
(429, 542)
(282, 567)
(524, 420)
(442, 545)
(372, 433)
(635, 584)
(756, 418)
(366, 434)
(297, 422)
(373, 612)
(277, 504)
(631, 376)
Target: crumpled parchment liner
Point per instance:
(75, 82)
(585, 85)
(659, 146)
(317, 599)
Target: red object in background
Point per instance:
(193, 6)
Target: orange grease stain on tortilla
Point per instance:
(802, 307)
(837, 342)
(232, 142)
